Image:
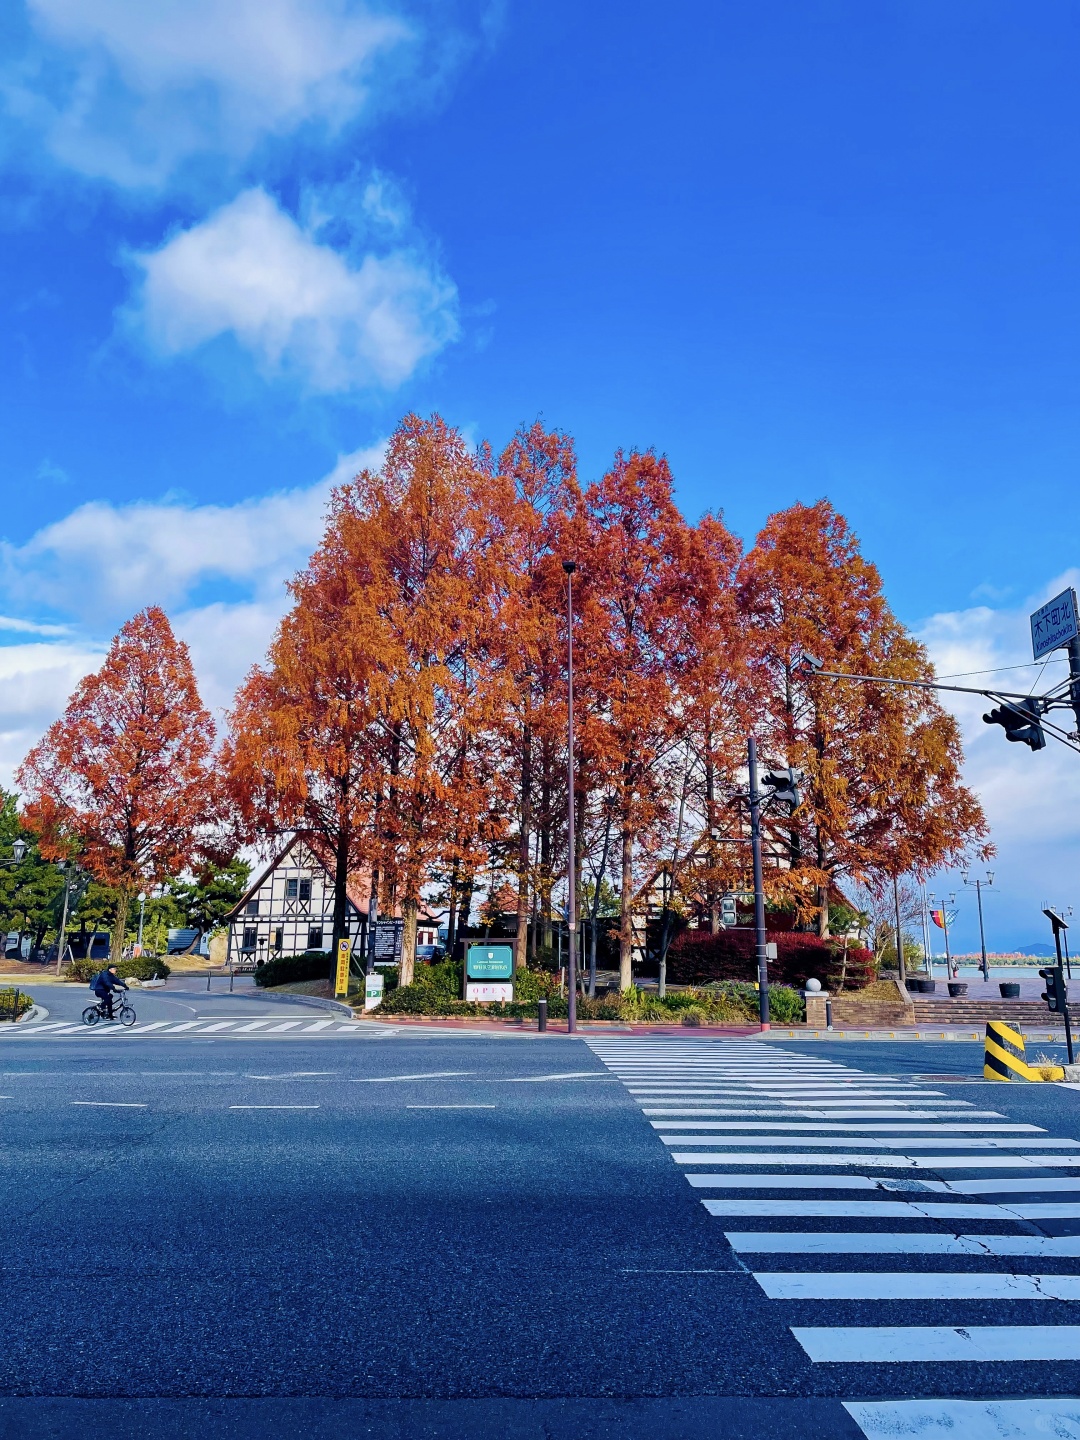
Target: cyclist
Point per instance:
(103, 985)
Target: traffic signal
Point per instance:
(1055, 993)
(1021, 722)
(727, 910)
(784, 785)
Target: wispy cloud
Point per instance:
(299, 308)
(129, 92)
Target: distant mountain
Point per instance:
(1039, 950)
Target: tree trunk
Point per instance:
(452, 918)
(521, 940)
(408, 943)
(710, 821)
(119, 930)
(626, 906)
(341, 884)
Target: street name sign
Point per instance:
(489, 962)
(1054, 624)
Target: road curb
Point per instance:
(313, 1002)
(36, 1012)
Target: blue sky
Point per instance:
(803, 248)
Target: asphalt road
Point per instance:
(441, 1234)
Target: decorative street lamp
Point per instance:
(571, 899)
(979, 886)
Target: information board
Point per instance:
(489, 962)
(388, 936)
(486, 991)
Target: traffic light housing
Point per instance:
(1055, 993)
(1021, 722)
(784, 785)
(727, 910)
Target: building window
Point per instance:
(290, 889)
(279, 939)
(305, 891)
(251, 936)
(314, 938)
(252, 907)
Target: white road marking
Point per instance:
(567, 1075)
(901, 1142)
(285, 1025)
(187, 1025)
(823, 1115)
(251, 1025)
(113, 1104)
(221, 1025)
(874, 1127)
(882, 1162)
(451, 1107)
(274, 1107)
(871, 1242)
(916, 1285)
(1026, 1419)
(320, 1025)
(935, 1344)
(430, 1075)
(891, 1210)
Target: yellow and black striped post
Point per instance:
(1004, 1058)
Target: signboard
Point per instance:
(480, 990)
(344, 950)
(1054, 624)
(489, 962)
(373, 991)
(388, 936)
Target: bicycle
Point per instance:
(93, 1013)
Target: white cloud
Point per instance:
(297, 306)
(102, 562)
(1032, 799)
(35, 681)
(129, 91)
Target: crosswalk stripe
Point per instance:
(915, 1285)
(1041, 1185)
(251, 1025)
(1027, 1419)
(319, 1025)
(900, 1142)
(890, 1210)
(935, 1344)
(285, 1025)
(907, 1127)
(873, 1242)
(219, 1025)
(891, 1162)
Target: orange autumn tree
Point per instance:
(883, 790)
(126, 776)
(636, 576)
(303, 753)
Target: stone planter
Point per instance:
(957, 988)
(926, 987)
(1010, 990)
(911, 983)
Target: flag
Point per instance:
(938, 917)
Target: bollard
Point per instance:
(541, 1015)
(828, 1012)
(1004, 1058)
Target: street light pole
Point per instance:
(759, 888)
(978, 886)
(571, 900)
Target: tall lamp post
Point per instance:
(571, 899)
(979, 886)
(943, 924)
(18, 851)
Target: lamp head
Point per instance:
(19, 850)
(989, 877)
(569, 566)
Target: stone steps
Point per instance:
(964, 1011)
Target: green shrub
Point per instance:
(7, 1002)
(284, 969)
(139, 967)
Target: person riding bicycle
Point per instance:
(103, 985)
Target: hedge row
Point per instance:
(7, 1001)
(139, 967)
(698, 958)
(287, 969)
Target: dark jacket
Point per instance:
(103, 982)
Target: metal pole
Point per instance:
(982, 936)
(759, 888)
(1068, 967)
(142, 916)
(571, 898)
(63, 918)
(1063, 989)
(1074, 679)
(901, 968)
(927, 947)
(948, 954)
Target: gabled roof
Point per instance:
(357, 887)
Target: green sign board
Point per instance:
(489, 962)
